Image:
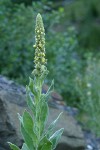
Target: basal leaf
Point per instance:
(55, 138)
(13, 146)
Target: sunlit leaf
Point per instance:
(27, 138)
(55, 138)
(13, 146)
(30, 101)
(42, 115)
(52, 126)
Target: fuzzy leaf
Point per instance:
(13, 146)
(31, 88)
(47, 146)
(30, 102)
(31, 84)
(43, 141)
(27, 122)
(47, 96)
(49, 91)
(52, 126)
(42, 114)
(27, 138)
(20, 118)
(24, 147)
(55, 138)
(28, 125)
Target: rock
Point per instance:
(92, 142)
(12, 101)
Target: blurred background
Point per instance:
(72, 47)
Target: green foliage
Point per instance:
(65, 63)
(88, 86)
(15, 23)
(14, 146)
(33, 129)
(85, 15)
(26, 2)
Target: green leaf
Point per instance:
(27, 122)
(55, 138)
(28, 125)
(27, 138)
(49, 89)
(31, 88)
(13, 146)
(31, 84)
(20, 118)
(47, 146)
(47, 96)
(24, 147)
(43, 141)
(42, 113)
(30, 101)
(52, 126)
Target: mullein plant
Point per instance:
(36, 134)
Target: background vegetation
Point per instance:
(72, 46)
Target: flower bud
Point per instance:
(39, 59)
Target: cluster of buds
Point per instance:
(39, 46)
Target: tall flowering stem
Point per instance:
(39, 46)
(33, 123)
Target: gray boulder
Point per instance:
(12, 101)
